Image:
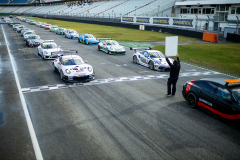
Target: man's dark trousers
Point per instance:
(172, 81)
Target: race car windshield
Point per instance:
(156, 55)
(89, 36)
(236, 93)
(112, 43)
(50, 46)
(72, 62)
(71, 31)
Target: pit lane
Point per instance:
(132, 119)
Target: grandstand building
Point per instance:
(213, 15)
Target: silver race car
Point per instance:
(153, 59)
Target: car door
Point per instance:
(206, 95)
(225, 103)
(104, 45)
(58, 66)
(145, 57)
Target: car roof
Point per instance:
(216, 80)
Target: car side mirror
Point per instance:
(59, 63)
(85, 61)
(227, 99)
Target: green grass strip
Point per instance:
(116, 33)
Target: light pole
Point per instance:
(112, 13)
(135, 9)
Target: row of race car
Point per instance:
(218, 96)
(72, 68)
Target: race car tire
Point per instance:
(192, 100)
(135, 60)
(85, 42)
(78, 40)
(98, 47)
(151, 65)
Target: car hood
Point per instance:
(163, 60)
(91, 39)
(115, 47)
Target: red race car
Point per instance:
(47, 26)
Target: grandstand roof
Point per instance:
(207, 2)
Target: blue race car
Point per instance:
(87, 39)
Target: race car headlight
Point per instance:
(89, 69)
(67, 71)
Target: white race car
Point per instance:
(153, 59)
(47, 49)
(27, 33)
(71, 34)
(72, 68)
(111, 47)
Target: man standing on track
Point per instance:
(174, 73)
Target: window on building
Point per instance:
(233, 10)
(194, 10)
(238, 10)
(184, 11)
(208, 11)
(222, 7)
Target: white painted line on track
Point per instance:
(36, 147)
(112, 80)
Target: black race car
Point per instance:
(33, 40)
(218, 96)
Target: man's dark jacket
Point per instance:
(174, 73)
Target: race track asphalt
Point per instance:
(123, 114)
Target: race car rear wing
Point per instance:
(139, 48)
(59, 53)
(101, 39)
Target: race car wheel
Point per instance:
(78, 40)
(85, 42)
(135, 60)
(151, 65)
(192, 100)
(98, 47)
